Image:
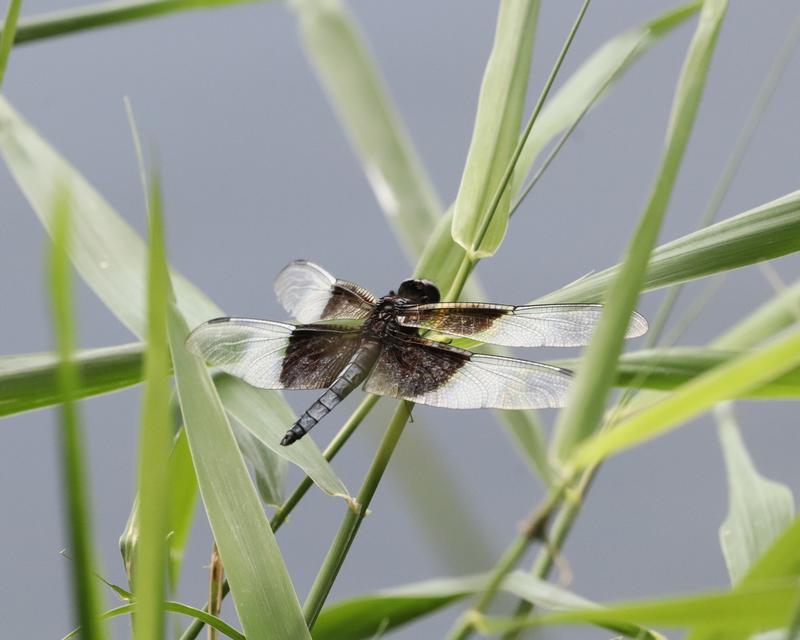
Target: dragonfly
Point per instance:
(396, 345)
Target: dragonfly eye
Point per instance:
(419, 291)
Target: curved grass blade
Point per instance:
(86, 599)
(759, 510)
(262, 591)
(247, 404)
(782, 311)
(587, 400)
(497, 125)
(361, 617)
(7, 35)
(442, 255)
(603, 67)
(340, 57)
(59, 23)
(149, 570)
(174, 607)
(668, 369)
(750, 609)
(29, 381)
(725, 382)
(109, 255)
(763, 233)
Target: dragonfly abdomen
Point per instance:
(351, 377)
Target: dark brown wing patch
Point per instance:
(316, 354)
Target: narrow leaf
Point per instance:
(174, 607)
(593, 382)
(107, 253)
(779, 312)
(750, 609)
(7, 35)
(759, 510)
(86, 599)
(725, 382)
(362, 617)
(341, 58)
(764, 233)
(246, 404)
(262, 591)
(269, 471)
(442, 255)
(59, 23)
(29, 381)
(150, 566)
(494, 138)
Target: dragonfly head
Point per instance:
(419, 291)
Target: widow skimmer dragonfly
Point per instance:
(387, 351)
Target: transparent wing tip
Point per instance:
(637, 326)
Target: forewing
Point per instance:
(544, 325)
(311, 294)
(274, 355)
(432, 373)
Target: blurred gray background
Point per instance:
(257, 172)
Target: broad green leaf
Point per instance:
(724, 382)
(362, 617)
(262, 591)
(174, 607)
(764, 233)
(494, 138)
(7, 35)
(149, 571)
(107, 253)
(246, 404)
(780, 312)
(86, 599)
(59, 23)
(442, 256)
(29, 381)
(592, 384)
(341, 59)
(759, 510)
(751, 609)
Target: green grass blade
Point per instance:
(245, 403)
(592, 384)
(724, 382)
(751, 609)
(497, 124)
(175, 607)
(269, 471)
(782, 311)
(110, 256)
(668, 369)
(59, 23)
(759, 510)
(262, 591)
(353, 84)
(603, 67)
(361, 617)
(182, 502)
(442, 255)
(150, 560)
(85, 596)
(7, 35)
(764, 233)
(30, 382)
